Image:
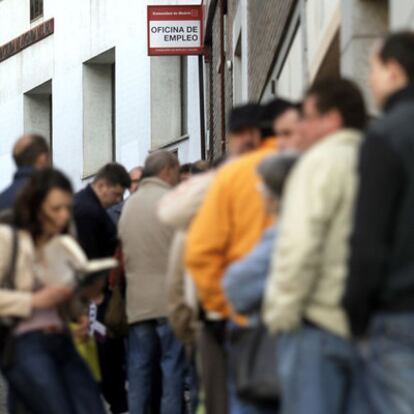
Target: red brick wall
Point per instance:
(267, 25)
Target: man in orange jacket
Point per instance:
(232, 217)
(228, 225)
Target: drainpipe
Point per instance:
(202, 116)
(222, 80)
(211, 103)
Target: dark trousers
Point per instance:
(49, 376)
(214, 368)
(112, 361)
(190, 386)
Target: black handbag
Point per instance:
(253, 357)
(7, 324)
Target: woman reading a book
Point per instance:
(39, 360)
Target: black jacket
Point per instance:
(96, 232)
(381, 268)
(9, 195)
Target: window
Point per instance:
(98, 112)
(36, 9)
(168, 99)
(37, 104)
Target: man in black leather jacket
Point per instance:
(379, 298)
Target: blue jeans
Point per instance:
(152, 344)
(389, 364)
(49, 376)
(317, 373)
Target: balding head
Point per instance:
(31, 150)
(164, 165)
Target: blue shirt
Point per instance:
(245, 280)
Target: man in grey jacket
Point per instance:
(146, 242)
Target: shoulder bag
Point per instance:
(254, 362)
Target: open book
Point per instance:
(67, 263)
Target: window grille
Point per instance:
(36, 9)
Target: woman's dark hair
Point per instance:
(29, 203)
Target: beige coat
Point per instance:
(309, 264)
(177, 209)
(59, 270)
(146, 243)
(17, 303)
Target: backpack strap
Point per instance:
(9, 280)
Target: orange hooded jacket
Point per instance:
(227, 226)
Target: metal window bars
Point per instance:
(36, 9)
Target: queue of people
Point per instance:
(280, 279)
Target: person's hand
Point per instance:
(51, 296)
(81, 328)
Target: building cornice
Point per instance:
(27, 39)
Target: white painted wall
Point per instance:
(401, 14)
(290, 83)
(322, 22)
(84, 29)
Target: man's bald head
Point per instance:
(31, 150)
(164, 165)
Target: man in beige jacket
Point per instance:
(305, 287)
(146, 242)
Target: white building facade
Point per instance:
(328, 38)
(90, 87)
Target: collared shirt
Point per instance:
(115, 211)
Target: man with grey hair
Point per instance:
(146, 242)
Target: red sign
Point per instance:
(175, 30)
